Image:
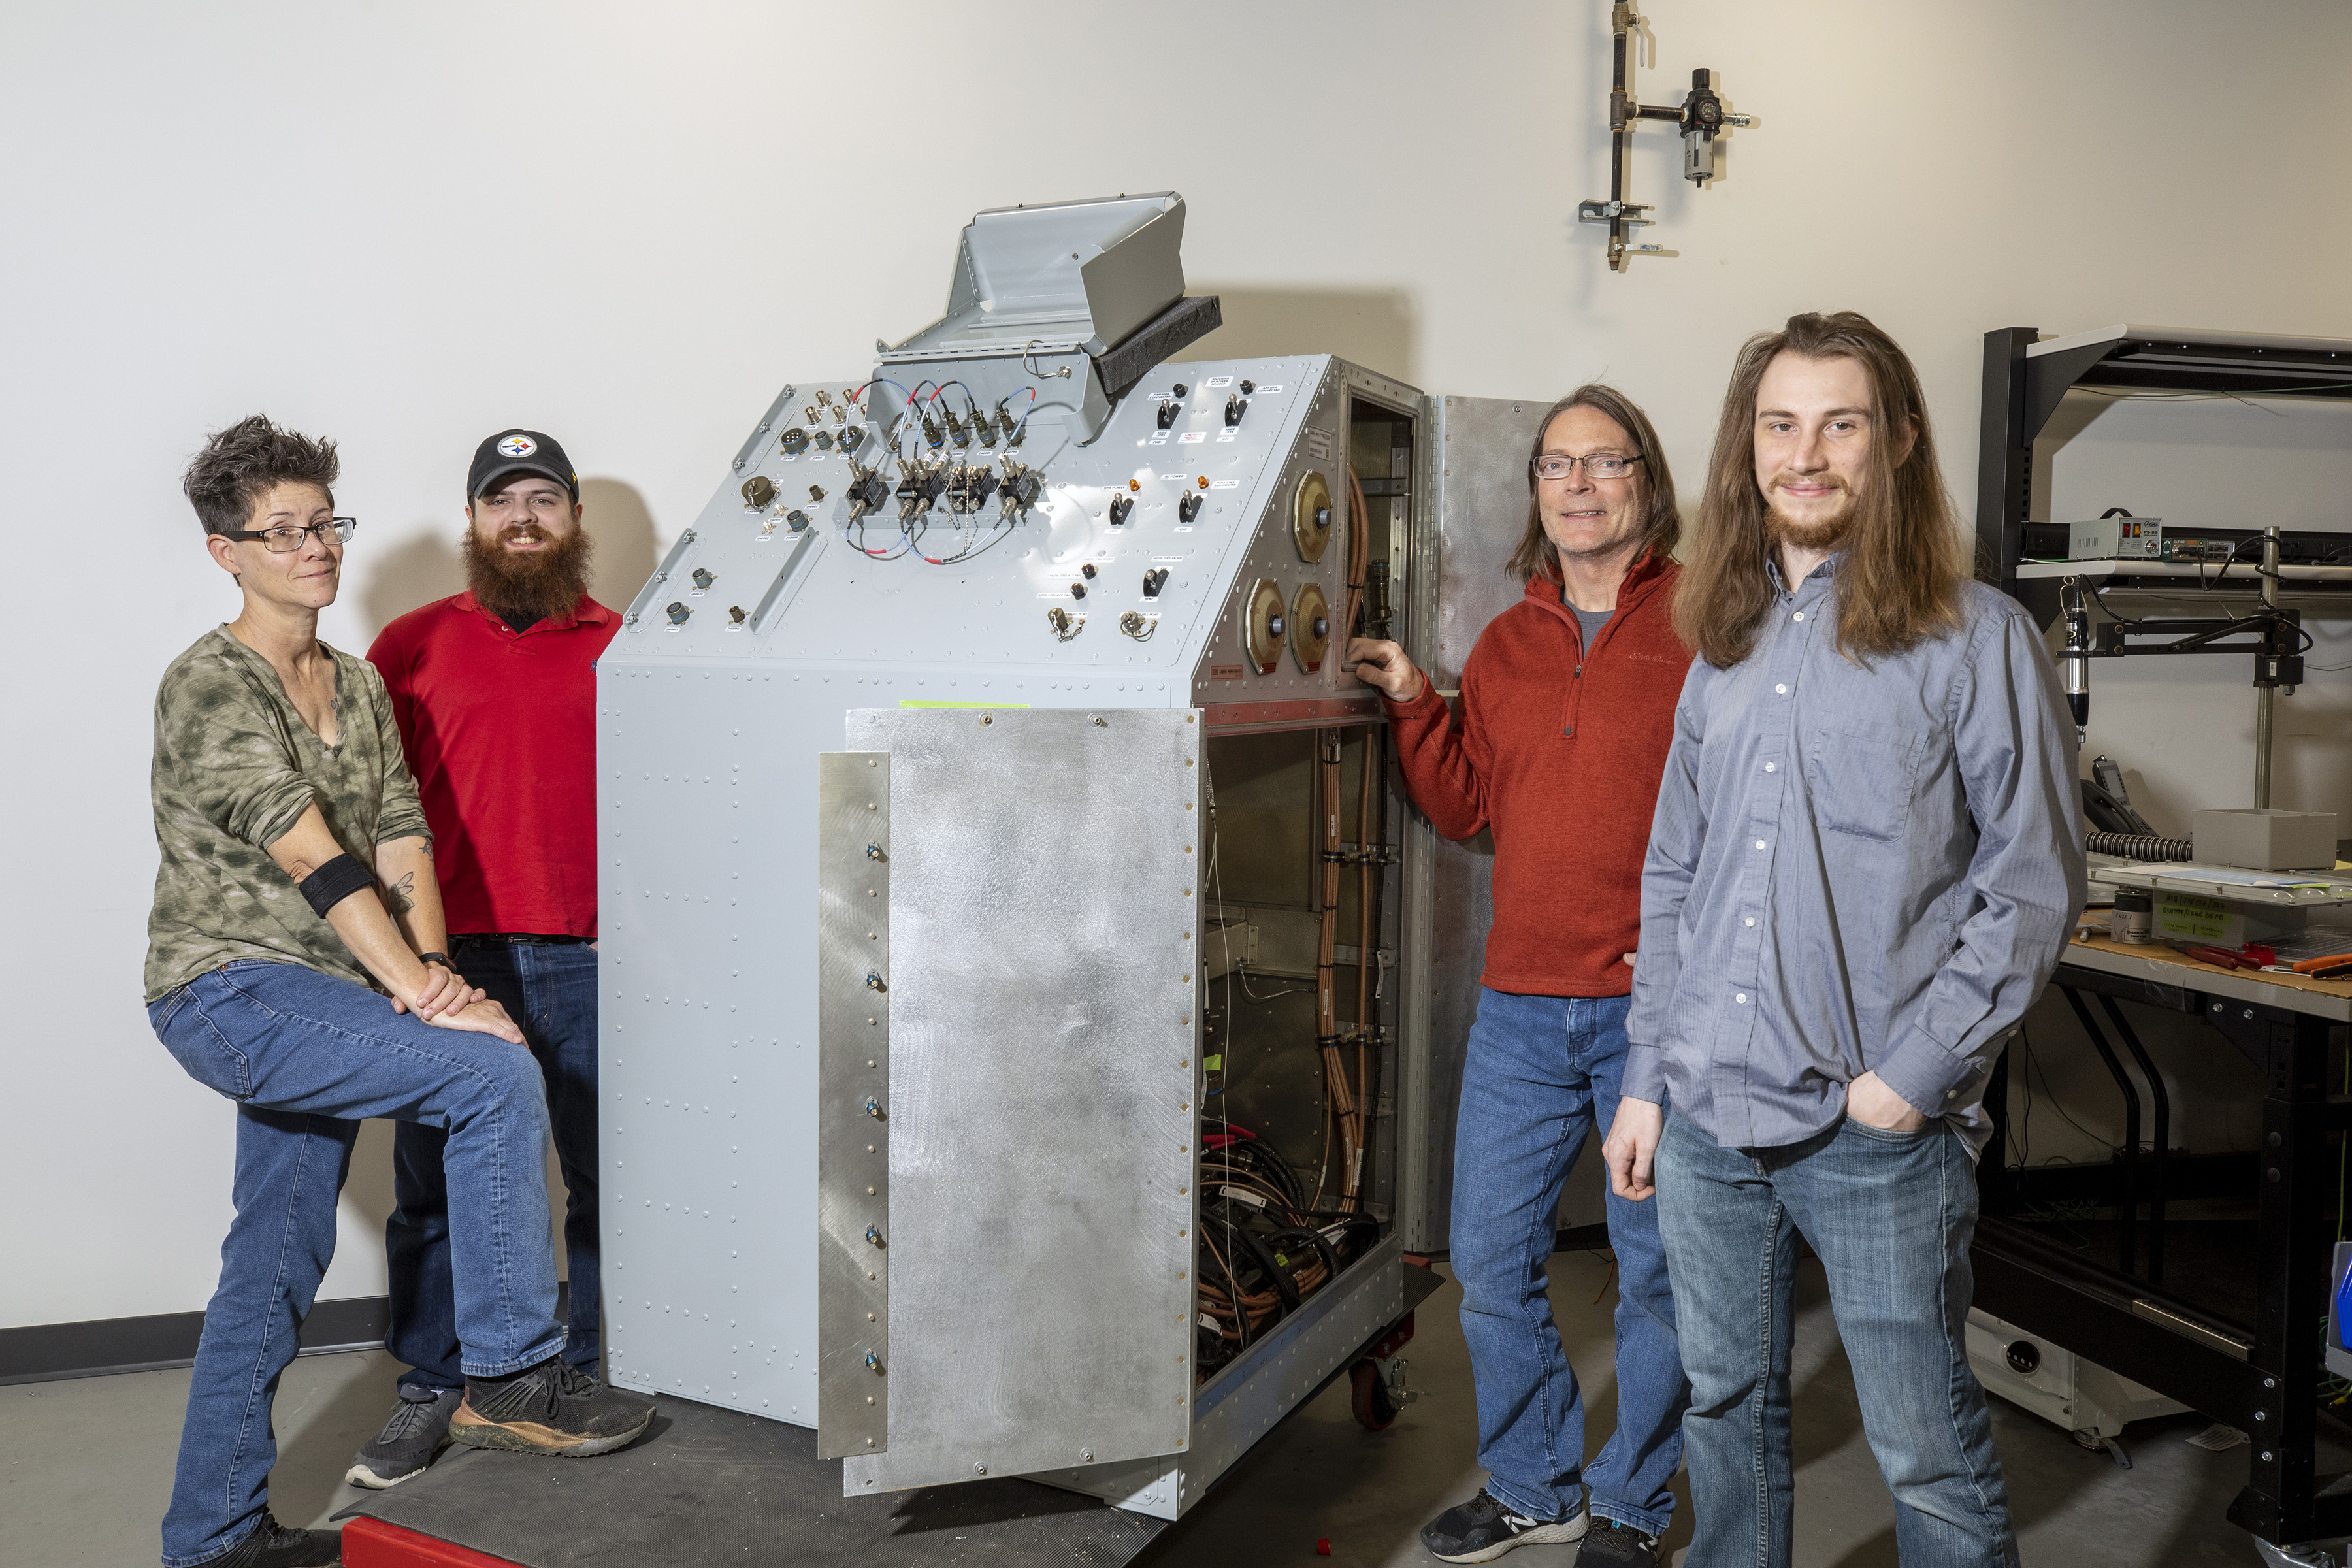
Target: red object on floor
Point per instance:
(1323, 1547)
(372, 1544)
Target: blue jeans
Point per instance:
(1542, 1072)
(306, 1058)
(551, 992)
(1890, 1214)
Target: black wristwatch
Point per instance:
(440, 958)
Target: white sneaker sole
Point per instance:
(1541, 1535)
(359, 1475)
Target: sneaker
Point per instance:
(1482, 1530)
(419, 1426)
(551, 1409)
(1615, 1545)
(275, 1546)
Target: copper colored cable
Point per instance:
(1339, 1094)
(1364, 908)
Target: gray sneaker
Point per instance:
(418, 1427)
(1482, 1530)
(551, 1408)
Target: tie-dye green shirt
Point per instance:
(234, 769)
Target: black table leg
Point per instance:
(2162, 1104)
(2280, 1501)
(2130, 1204)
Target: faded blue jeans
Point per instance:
(1541, 1076)
(551, 990)
(306, 1056)
(1890, 1214)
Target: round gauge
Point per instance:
(1310, 516)
(1266, 625)
(1311, 627)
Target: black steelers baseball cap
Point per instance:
(512, 452)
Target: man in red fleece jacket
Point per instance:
(1566, 715)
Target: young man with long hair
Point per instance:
(1863, 866)
(495, 693)
(294, 967)
(1566, 714)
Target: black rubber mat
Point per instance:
(708, 1487)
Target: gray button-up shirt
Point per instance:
(1853, 866)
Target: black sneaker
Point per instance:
(1615, 1545)
(551, 1409)
(275, 1546)
(419, 1426)
(1482, 1530)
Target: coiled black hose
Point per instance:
(2138, 846)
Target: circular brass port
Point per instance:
(1310, 627)
(1266, 625)
(1310, 516)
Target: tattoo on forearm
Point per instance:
(401, 894)
(425, 850)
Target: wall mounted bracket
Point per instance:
(1700, 119)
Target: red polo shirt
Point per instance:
(500, 730)
(1558, 749)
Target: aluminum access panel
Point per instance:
(1033, 1143)
(737, 666)
(1475, 491)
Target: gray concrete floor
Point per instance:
(86, 1466)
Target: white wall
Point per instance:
(407, 225)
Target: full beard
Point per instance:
(529, 586)
(1827, 533)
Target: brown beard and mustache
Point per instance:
(1824, 535)
(531, 585)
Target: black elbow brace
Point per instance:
(333, 882)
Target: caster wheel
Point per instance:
(1368, 1396)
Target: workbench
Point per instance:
(2237, 1335)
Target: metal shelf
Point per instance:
(2025, 379)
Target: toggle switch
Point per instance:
(1188, 506)
(1152, 581)
(1119, 507)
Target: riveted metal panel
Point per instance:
(1481, 508)
(1254, 1393)
(1045, 873)
(853, 861)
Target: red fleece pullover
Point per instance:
(1559, 750)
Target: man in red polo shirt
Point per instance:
(1558, 746)
(495, 694)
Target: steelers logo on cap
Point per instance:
(518, 445)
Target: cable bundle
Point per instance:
(2138, 846)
